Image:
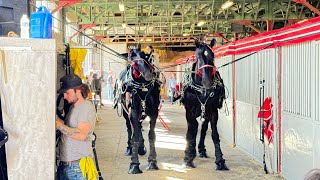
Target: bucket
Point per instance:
(41, 23)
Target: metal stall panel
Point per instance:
(225, 122)
(249, 72)
(315, 109)
(299, 122)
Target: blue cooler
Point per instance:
(41, 23)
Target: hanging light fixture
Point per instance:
(227, 4)
(200, 23)
(121, 6)
(124, 25)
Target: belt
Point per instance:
(68, 163)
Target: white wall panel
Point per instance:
(297, 71)
(297, 150)
(244, 127)
(300, 120)
(249, 72)
(28, 106)
(226, 73)
(225, 123)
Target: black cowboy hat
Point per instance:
(69, 81)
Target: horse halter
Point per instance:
(214, 69)
(136, 72)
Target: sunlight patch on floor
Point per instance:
(172, 178)
(174, 167)
(168, 141)
(165, 118)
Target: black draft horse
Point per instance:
(140, 98)
(203, 94)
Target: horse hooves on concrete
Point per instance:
(142, 151)
(189, 164)
(221, 166)
(152, 166)
(134, 169)
(128, 152)
(203, 154)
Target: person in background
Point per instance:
(153, 56)
(314, 174)
(77, 129)
(109, 86)
(172, 86)
(162, 87)
(96, 86)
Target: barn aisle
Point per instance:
(111, 145)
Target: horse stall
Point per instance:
(284, 65)
(28, 93)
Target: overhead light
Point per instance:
(121, 6)
(148, 39)
(124, 25)
(302, 21)
(185, 34)
(200, 23)
(227, 4)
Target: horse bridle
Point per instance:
(134, 66)
(214, 69)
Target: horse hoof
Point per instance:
(142, 151)
(134, 169)
(221, 166)
(152, 166)
(189, 164)
(128, 152)
(203, 154)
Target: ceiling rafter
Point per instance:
(177, 17)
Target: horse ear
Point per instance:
(138, 47)
(196, 41)
(212, 43)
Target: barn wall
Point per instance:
(296, 147)
(225, 123)
(300, 99)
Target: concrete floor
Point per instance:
(111, 145)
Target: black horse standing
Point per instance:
(203, 95)
(140, 98)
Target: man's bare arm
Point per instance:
(79, 133)
(68, 131)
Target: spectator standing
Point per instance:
(172, 86)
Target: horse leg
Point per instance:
(129, 130)
(190, 151)
(142, 149)
(152, 159)
(220, 162)
(201, 147)
(134, 165)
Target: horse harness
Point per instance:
(190, 84)
(129, 83)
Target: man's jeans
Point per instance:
(70, 172)
(173, 90)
